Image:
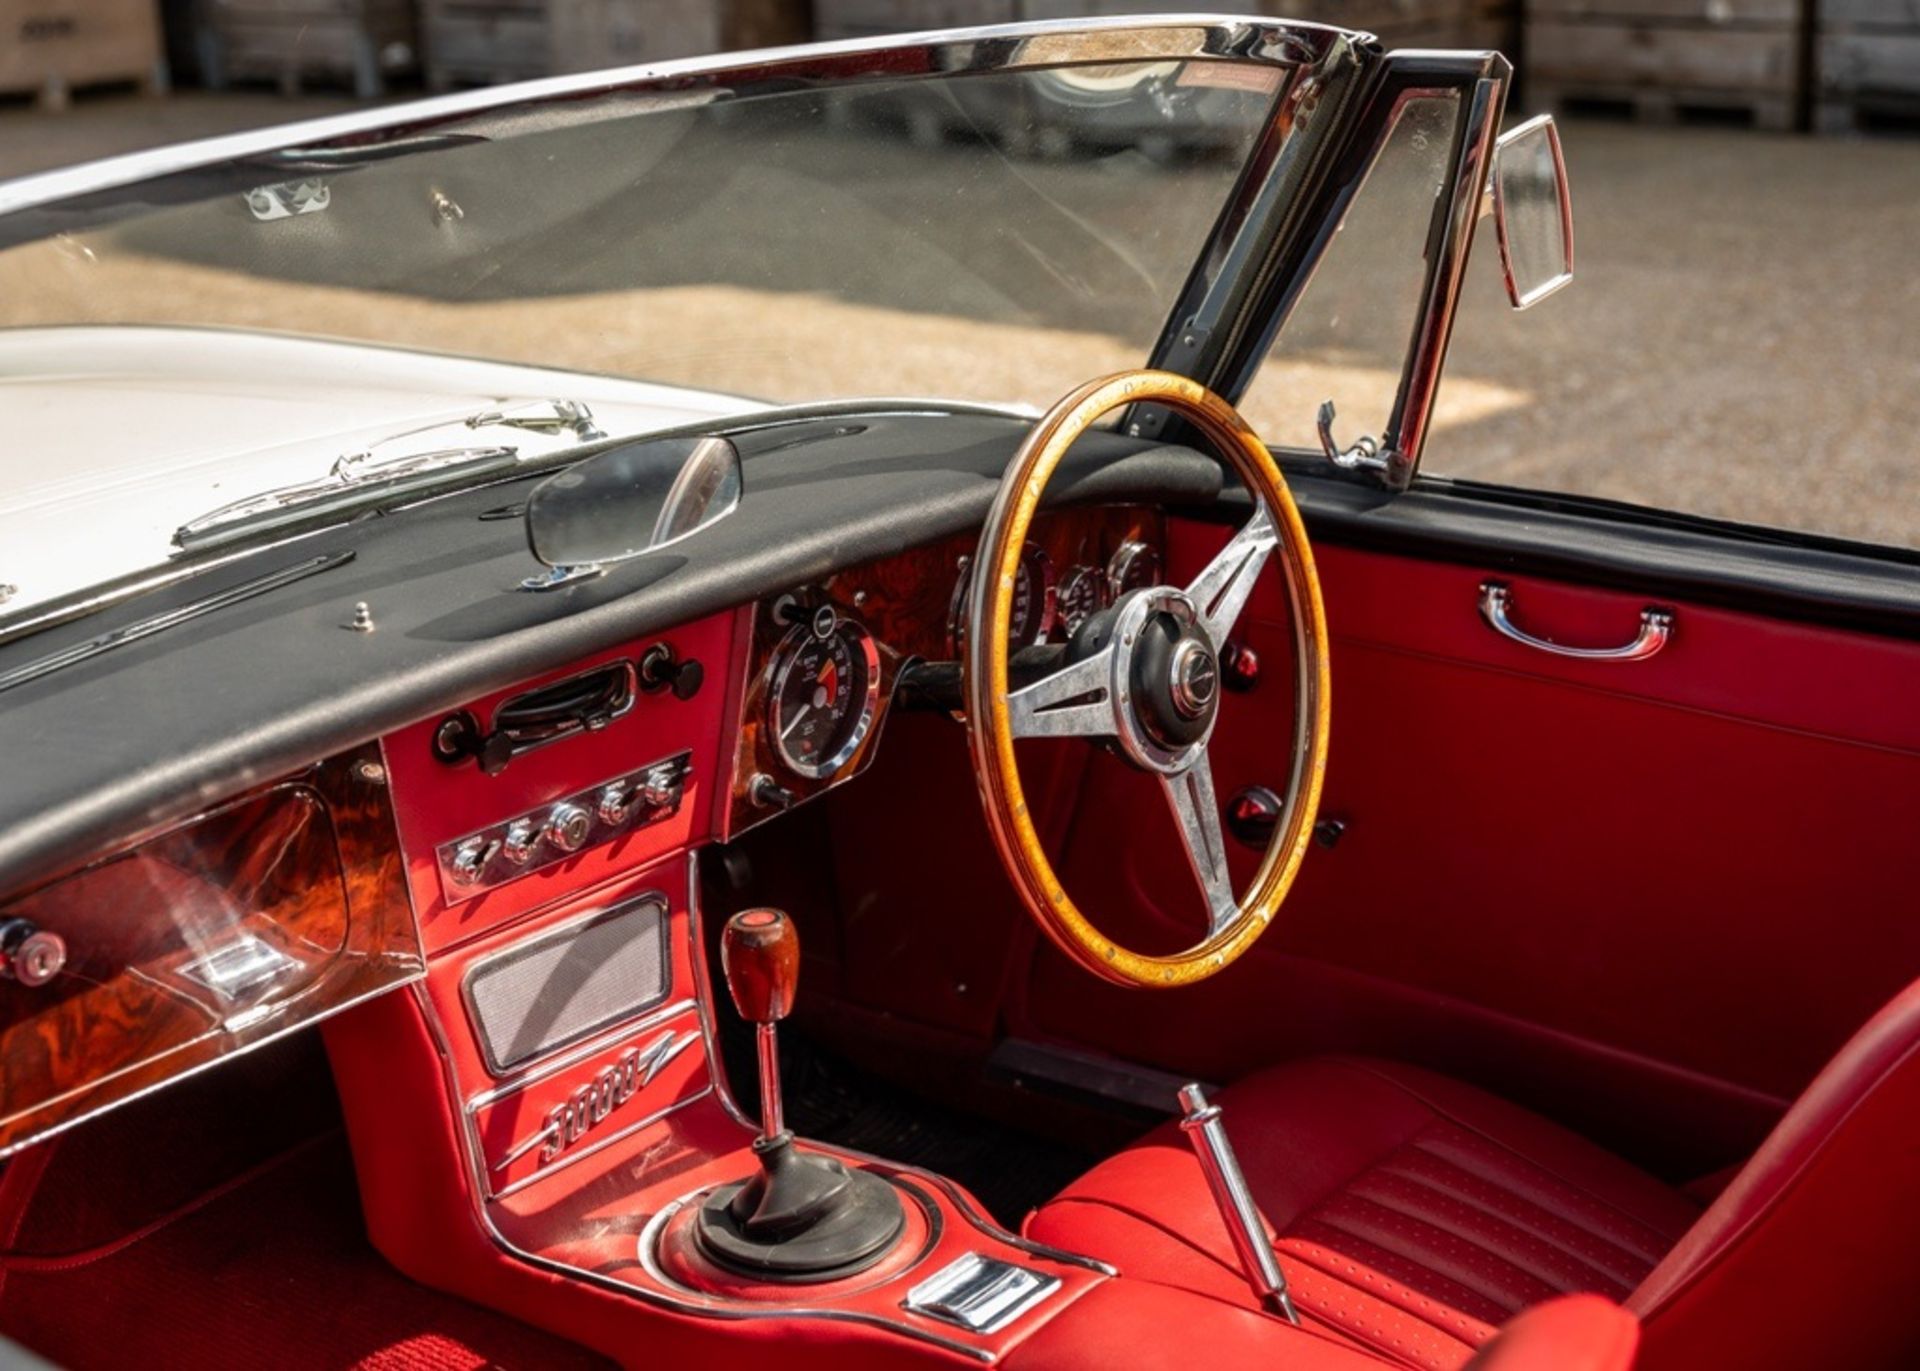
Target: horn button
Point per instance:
(1176, 681)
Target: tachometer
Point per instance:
(826, 688)
(1034, 602)
(1082, 594)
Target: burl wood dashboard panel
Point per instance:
(205, 939)
(907, 603)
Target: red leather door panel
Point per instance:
(1650, 898)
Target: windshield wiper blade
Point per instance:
(159, 623)
(352, 473)
(364, 472)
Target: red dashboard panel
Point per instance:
(437, 803)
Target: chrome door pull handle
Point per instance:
(1656, 626)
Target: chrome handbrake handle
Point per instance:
(1201, 1123)
(1656, 627)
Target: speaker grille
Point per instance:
(563, 986)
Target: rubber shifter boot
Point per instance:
(805, 1217)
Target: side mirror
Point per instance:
(628, 500)
(1532, 213)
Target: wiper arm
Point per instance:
(358, 474)
(542, 416)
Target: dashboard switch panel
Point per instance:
(477, 862)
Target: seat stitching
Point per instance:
(1513, 1180)
(1431, 1258)
(1635, 1260)
(1440, 1112)
(1620, 1280)
(1305, 1258)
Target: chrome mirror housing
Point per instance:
(1532, 212)
(629, 500)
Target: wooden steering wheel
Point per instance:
(1147, 677)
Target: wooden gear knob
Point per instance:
(760, 954)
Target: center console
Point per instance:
(543, 1125)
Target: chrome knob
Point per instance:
(519, 841)
(29, 954)
(470, 860)
(664, 787)
(615, 802)
(567, 827)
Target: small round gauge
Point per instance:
(1134, 566)
(826, 687)
(1082, 594)
(1034, 602)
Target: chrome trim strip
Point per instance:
(361, 134)
(169, 618)
(1656, 628)
(412, 981)
(702, 990)
(64, 609)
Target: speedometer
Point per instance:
(826, 687)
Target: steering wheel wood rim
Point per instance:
(994, 720)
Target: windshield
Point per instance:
(994, 237)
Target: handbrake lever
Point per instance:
(1202, 1124)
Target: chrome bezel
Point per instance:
(1139, 745)
(525, 1064)
(1121, 564)
(1039, 568)
(785, 656)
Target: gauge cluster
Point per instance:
(821, 661)
(825, 693)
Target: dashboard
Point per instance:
(349, 878)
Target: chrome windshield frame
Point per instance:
(1314, 216)
(140, 179)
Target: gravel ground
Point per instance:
(1742, 340)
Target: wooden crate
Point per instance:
(1663, 58)
(1866, 64)
(293, 41)
(483, 41)
(48, 47)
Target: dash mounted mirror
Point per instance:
(626, 501)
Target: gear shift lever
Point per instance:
(760, 954)
(803, 1217)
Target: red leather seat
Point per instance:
(1413, 1215)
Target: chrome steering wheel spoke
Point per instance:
(1197, 815)
(1220, 591)
(1074, 702)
